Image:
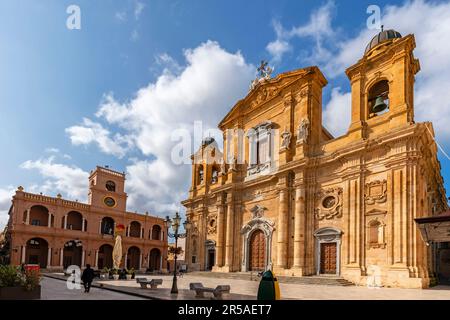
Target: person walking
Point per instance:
(87, 277)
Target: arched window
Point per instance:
(373, 232)
(38, 216)
(135, 229)
(107, 226)
(214, 174)
(378, 98)
(260, 139)
(200, 174)
(111, 186)
(74, 221)
(156, 232)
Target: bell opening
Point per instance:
(378, 100)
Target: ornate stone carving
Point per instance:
(263, 95)
(376, 192)
(329, 204)
(264, 73)
(257, 211)
(286, 139)
(303, 131)
(211, 224)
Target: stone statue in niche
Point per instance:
(223, 168)
(286, 139)
(303, 131)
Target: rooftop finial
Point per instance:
(382, 27)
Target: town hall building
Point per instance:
(287, 195)
(55, 233)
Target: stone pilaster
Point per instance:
(229, 232)
(299, 228)
(282, 227)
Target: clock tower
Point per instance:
(107, 189)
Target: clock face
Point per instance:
(110, 202)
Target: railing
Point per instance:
(55, 201)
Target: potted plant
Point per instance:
(130, 273)
(19, 284)
(104, 273)
(115, 274)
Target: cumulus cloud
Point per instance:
(339, 104)
(318, 29)
(70, 181)
(205, 89)
(92, 132)
(6, 195)
(121, 16)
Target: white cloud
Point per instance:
(206, 88)
(93, 132)
(138, 8)
(318, 29)
(6, 195)
(134, 35)
(67, 180)
(121, 16)
(52, 150)
(337, 113)
(278, 48)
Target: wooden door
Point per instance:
(328, 261)
(257, 254)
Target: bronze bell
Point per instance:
(379, 105)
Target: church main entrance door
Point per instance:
(328, 258)
(257, 251)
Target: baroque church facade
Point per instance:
(287, 195)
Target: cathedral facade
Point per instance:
(287, 195)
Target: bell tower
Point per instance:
(107, 189)
(382, 85)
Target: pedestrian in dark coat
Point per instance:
(87, 277)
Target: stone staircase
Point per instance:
(308, 280)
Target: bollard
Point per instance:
(269, 288)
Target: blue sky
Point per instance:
(74, 99)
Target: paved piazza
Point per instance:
(53, 289)
(304, 292)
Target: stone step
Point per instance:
(307, 280)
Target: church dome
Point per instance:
(207, 141)
(384, 35)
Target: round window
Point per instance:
(110, 202)
(212, 223)
(329, 202)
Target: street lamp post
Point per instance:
(175, 223)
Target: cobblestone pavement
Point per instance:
(304, 292)
(52, 289)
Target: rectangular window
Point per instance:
(36, 222)
(194, 259)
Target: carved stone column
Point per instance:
(220, 232)
(282, 228)
(299, 227)
(229, 235)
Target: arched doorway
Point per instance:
(155, 260)
(72, 253)
(210, 246)
(133, 258)
(257, 248)
(37, 252)
(328, 250)
(105, 256)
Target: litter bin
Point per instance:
(269, 288)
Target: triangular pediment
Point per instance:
(267, 90)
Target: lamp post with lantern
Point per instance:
(175, 223)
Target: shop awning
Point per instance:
(435, 228)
